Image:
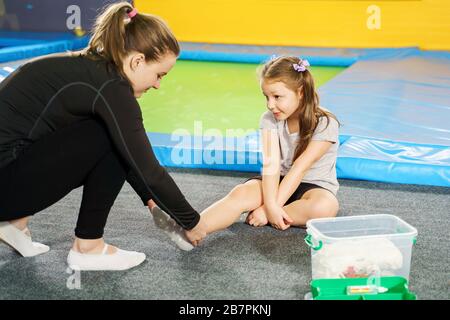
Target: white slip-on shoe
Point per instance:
(176, 233)
(118, 261)
(20, 241)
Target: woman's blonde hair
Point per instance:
(115, 35)
(281, 69)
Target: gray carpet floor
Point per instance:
(239, 263)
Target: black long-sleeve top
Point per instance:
(54, 91)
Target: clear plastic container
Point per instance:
(360, 246)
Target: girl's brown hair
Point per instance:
(282, 69)
(115, 35)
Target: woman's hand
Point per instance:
(278, 218)
(257, 217)
(198, 233)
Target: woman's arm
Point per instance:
(313, 152)
(121, 114)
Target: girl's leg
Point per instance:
(315, 203)
(223, 213)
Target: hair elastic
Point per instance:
(132, 13)
(301, 66)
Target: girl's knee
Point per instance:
(239, 193)
(244, 195)
(323, 209)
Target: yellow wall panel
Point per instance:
(319, 23)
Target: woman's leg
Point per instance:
(80, 154)
(101, 188)
(223, 213)
(315, 203)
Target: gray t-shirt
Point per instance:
(322, 172)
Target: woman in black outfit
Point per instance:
(71, 120)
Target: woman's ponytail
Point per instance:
(108, 38)
(120, 30)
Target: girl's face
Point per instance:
(281, 101)
(144, 75)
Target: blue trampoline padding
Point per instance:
(338, 57)
(395, 115)
(358, 158)
(235, 154)
(16, 38)
(4, 73)
(260, 58)
(387, 161)
(396, 111)
(394, 107)
(24, 45)
(403, 99)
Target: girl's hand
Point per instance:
(257, 217)
(278, 218)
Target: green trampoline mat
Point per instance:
(211, 97)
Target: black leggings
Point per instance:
(78, 155)
(298, 193)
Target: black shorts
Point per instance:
(299, 192)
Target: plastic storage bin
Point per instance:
(360, 246)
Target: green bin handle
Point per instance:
(308, 240)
